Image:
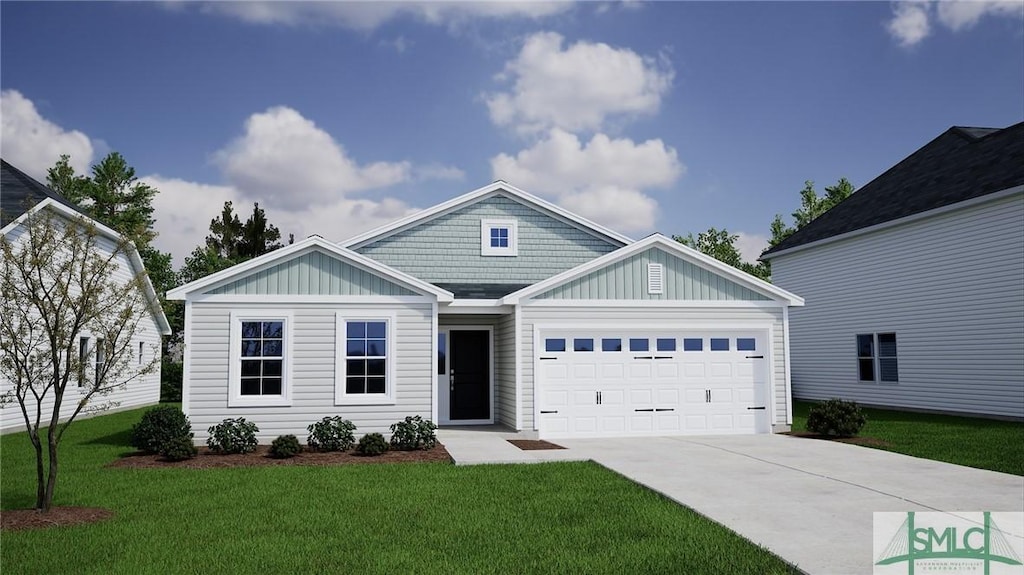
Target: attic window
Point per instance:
(499, 238)
(655, 279)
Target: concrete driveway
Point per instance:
(806, 500)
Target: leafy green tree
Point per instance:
(56, 284)
(230, 242)
(811, 206)
(721, 245)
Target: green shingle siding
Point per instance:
(627, 279)
(446, 249)
(313, 273)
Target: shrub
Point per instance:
(159, 425)
(332, 434)
(285, 446)
(836, 417)
(413, 433)
(179, 448)
(233, 436)
(372, 444)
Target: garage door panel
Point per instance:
(679, 386)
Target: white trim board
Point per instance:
(492, 189)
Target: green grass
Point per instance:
(403, 518)
(970, 441)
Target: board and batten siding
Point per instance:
(314, 351)
(313, 273)
(627, 280)
(950, 286)
(137, 393)
(652, 318)
(446, 249)
(504, 359)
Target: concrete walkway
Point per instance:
(479, 445)
(808, 501)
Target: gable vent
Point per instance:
(655, 278)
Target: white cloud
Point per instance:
(33, 144)
(289, 162)
(576, 88)
(912, 20)
(750, 246)
(603, 179)
(438, 172)
(184, 209)
(368, 16)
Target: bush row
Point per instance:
(166, 430)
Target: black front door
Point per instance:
(470, 372)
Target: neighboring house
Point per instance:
(915, 283)
(20, 195)
(494, 307)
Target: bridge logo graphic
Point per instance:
(948, 543)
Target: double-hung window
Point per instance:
(259, 373)
(499, 238)
(365, 361)
(83, 359)
(876, 357)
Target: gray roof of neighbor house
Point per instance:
(19, 192)
(961, 164)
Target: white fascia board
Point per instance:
(671, 246)
(900, 221)
(474, 196)
(133, 253)
(215, 280)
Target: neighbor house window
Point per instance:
(499, 238)
(876, 357)
(365, 360)
(101, 359)
(140, 353)
(260, 359)
(83, 358)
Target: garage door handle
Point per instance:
(759, 407)
(665, 409)
(549, 358)
(755, 357)
(643, 357)
(651, 409)
(663, 357)
(543, 412)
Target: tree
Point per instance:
(56, 283)
(811, 206)
(231, 242)
(721, 245)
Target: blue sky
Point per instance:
(337, 118)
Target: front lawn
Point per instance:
(396, 518)
(970, 441)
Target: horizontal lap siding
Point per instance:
(447, 249)
(313, 366)
(138, 392)
(949, 286)
(652, 318)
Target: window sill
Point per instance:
(261, 402)
(355, 400)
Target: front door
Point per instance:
(469, 375)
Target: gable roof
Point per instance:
(19, 192)
(281, 254)
(672, 247)
(498, 187)
(133, 254)
(960, 164)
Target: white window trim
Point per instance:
(485, 237)
(341, 396)
(235, 397)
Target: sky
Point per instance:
(341, 117)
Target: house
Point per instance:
(20, 196)
(496, 307)
(915, 283)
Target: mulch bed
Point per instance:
(532, 444)
(868, 441)
(18, 519)
(207, 459)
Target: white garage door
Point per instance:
(651, 382)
